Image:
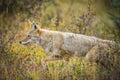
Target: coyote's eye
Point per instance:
(28, 35)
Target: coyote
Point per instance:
(61, 45)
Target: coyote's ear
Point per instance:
(33, 25)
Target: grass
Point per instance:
(19, 62)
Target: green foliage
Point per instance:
(115, 3)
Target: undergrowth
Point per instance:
(19, 62)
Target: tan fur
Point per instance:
(64, 44)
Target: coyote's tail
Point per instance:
(110, 42)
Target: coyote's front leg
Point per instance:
(49, 58)
(43, 64)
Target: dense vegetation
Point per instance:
(98, 18)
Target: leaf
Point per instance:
(26, 57)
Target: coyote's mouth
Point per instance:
(23, 43)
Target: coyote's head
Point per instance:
(33, 36)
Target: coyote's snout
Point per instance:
(61, 44)
(26, 40)
(29, 39)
